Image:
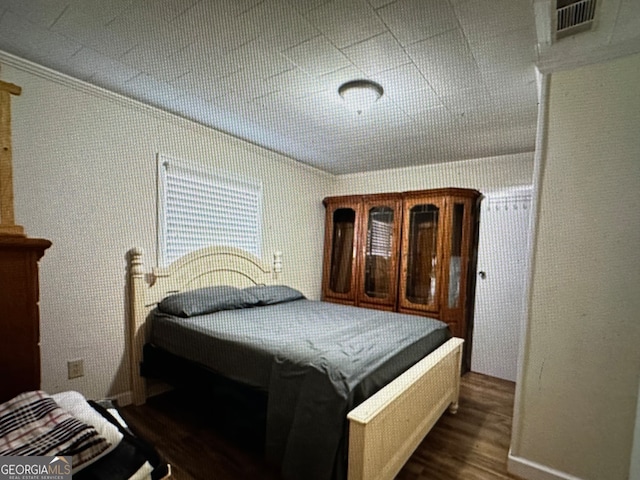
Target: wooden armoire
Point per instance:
(411, 252)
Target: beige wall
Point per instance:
(84, 174)
(484, 174)
(582, 360)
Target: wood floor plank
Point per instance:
(199, 444)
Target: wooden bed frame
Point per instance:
(383, 431)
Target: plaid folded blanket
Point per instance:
(33, 424)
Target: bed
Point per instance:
(382, 416)
(88, 439)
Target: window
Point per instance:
(379, 238)
(198, 207)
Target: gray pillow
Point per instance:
(206, 300)
(272, 294)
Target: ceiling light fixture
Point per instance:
(359, 95)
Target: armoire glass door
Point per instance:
(340, 275)
(379, 256)
(456, 256)
(421, 271)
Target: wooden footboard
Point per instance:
(387, 428)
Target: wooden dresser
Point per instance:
(19, 314)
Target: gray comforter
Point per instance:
(316, 360)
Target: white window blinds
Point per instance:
(380, 235)
(198, 207)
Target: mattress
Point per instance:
(316, 360)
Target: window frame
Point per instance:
(216, 178)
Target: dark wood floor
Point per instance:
(470, 445)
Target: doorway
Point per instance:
(501, 284)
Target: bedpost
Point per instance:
(137, 316)
(453, 408)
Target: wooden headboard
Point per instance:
(206, 267)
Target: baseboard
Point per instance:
(123, 399)
(153, 389)
(529, 470)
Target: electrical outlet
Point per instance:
(75, 368)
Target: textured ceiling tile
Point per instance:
(346, 22)
(22, 37)
(461, 101)
(89, 64)
(387, 119)
(506, 51)
(295, 83)
(264, 112)
(377, 54)
(166, 10)
(491, 121)
(105, 10)
(446, 62)
(317, 56)
(306, 5)
(278, 100)
(150, 90)
(404, 78)
(215, 8)
(329, 111)
(209, 22)
(137, 26)
(414, 20)
(205, 60)
(89, 31)
(251, 121)
(258, 58)
(197, 86)
(520, 94)
(111, 74)
(523, 78)
(482, 19)
(433, 119)
(41, 12)
(269, 70)
(154, 62)
(277, 24)
(244, 85)
(380, 3)
(416, 102)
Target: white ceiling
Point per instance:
(458, 75)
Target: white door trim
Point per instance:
(538, 169)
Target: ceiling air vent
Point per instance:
(574, 16)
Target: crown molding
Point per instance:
(80, 85)
(557, 62)
(165, 115)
